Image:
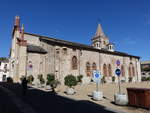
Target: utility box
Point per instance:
(139, 97)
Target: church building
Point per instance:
(33, 54)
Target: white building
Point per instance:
(145, 66)
(4, 70)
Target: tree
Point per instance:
(70, 81)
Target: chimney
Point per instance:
(17, 23)
(22, 32)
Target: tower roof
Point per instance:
(99, 31)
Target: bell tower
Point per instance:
(100, 40)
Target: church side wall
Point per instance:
(91, 57)
(33, 40)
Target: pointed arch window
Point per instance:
(122, 71)
(130, 71)
(94, 67)
(133, 71)
(109, 70)
(74, 63)
(104, 70)
(88, 69)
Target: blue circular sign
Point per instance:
(97, 75)
(118, 72)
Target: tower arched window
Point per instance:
(94, 67)
(109, 70)
(104, 70)
(74, 63)
(88, 69)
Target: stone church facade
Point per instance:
(33, 54)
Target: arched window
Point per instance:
(94, 67)
(133, 71)
(88, 69)
(104, 70)
(122, 71)
(109, 70)
(4, 79)
(74, 63)
(130, 71)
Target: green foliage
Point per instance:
(30, 79)
(146, 69)
(3, 58)
(79, 78)
(148, 78)
(41, 79)
(21, 78)
(144, 79)
(103, 79)
(130, 79)
(50, 78)
(9, 80)
(52, 82)
(113, 78)
(70, 81)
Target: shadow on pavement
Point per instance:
(48, 102)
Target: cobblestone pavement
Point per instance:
(47, 102)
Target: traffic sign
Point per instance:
(118, 72)
(118, 63)
(96, 76)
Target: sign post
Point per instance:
(118, 72)
(97, 95)
(120, 99)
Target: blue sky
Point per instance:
(125, 22)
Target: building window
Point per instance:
(88, 69)
(74, 63)
(5, 66)
(4, 78)
(57, 51)
(129, 71)
(97, 44)
(74, 49)
(122, 71)
(133, 71)
(104, 70)
(94, 67)
(109, 70)
(65, 51)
